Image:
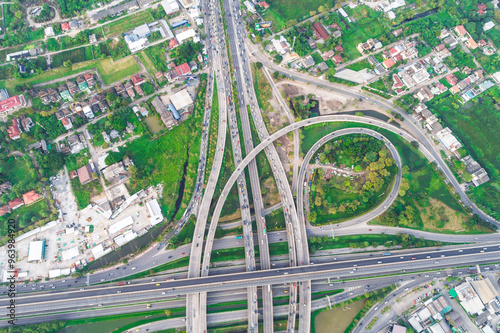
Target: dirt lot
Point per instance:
(329, 102)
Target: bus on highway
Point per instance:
(238, 237)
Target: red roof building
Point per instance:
(65, 26)
(482, 43)
(4, 210)
(388, 63)
(14, 130)
(335, 26)
(398, 57)
(339, 48)
(137, 80)
(172, 43)
(337, 59)
(85, 174)
(15, 204)
(73, 174)
(182, 69)
(264, 4)
(459, 29)
(138, 90)
(159, 75)
(452, 79)
(481, 8)
(30, 197)
(397, 81)
(320, 31)
(12, 103)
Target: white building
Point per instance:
(70, 253)
(36, 250)
(250, 7)
(87, 110)
(448, 140)
(281, 45)
(135, 43)
(154, 212)
(185, 35)
(181, 99)
(170, 6)
(125, 237)
(49, 32)
(488, 25)
(114, 228)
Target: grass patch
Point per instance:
(483, 145)
(83, 193)
(112, 71)
(359, 65)
(146, 61)
(127, 23)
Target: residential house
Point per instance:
(397, 32)
(471, 44)
(370, 44)
(460, 30)
(72, 87)
(328, 54)
(451, 79)
(337, 59)
(451, 42)
(65, 26)
(87, 110)
(31, 197)
(322, 66)
(5, 209)
(82, 83)
(26, 123)
(159, 76)
(54, 95)
(481, 8)
(15, 204)
(448, 140)
(488, 25)
(44, 96)
(337, 34)
(312, 43)
(67, 123)
(64, 92)
(193, 65)
(137, 80)
(14, 130)
(388, 63)
(308, 61)
(89, 78)
(339, 48)
(119, 88)
(129, 87)
(424, 94)
(319, 31)
(85, 174)
(442, 51)
(138, 90)
(264, 5)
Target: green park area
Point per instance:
(283, 12)
(345, 316)
(112, 71)
(476, 125)
(127, 23)
(335, 198)
(433, 205)
(169, 157)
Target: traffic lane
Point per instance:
(428, 257)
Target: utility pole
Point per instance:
(293, 44)
(88, 282)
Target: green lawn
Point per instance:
(295, 9)
(436, 206)
(26, 215)
(146, 61)
(112, 71)
(357, 66)
(83, 193)
(483, 144)
(17, 170)
(127, 23)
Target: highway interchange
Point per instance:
(301, 271)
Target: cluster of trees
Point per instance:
(49, 327)
(301, 106)
(186, 52)
(17, 29)
(46, 14)
(70, 8)
(368, 154)
(49, 164)
(301, 33)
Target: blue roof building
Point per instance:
(172, 109)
